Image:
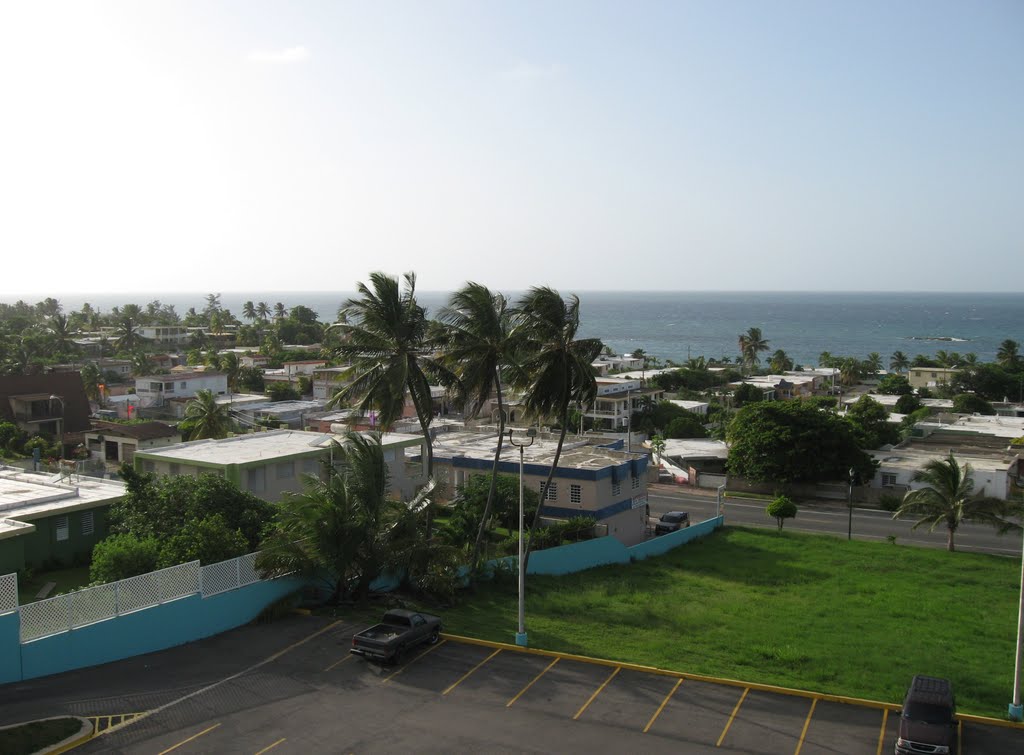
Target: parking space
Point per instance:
(458, 696)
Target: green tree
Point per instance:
(208, 540)
(1008, 355)
(385, 342)
(250, 379)
(972, 403)
(781, 509)
(477, 347)
(249, 311)
(280, 391)
(871, 424)
(230, 367)
(948, 498)
(793, 441)
(873, 364)
(899, 361)
(780, 362)
(688, 425)
(263, 311)
(472, 501)
(907, 404)
(747, 393)
(346, 526)
(894, 385)
(205, 418)
(751, 345)
(61, 334)
(556, 371)
(127, 332)
(91, 381)
(122, 556)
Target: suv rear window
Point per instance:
(673, 517)
(927, 712)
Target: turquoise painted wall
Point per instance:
(567, 559)
(10, 658)
(664, 543)
(146, 631)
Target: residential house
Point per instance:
(931, 377)
(696, 407)
(176, 335)
(115, 443)
(602, 483)
(49, 404)
(995, 472)
(617, 399)
(327, 381)
(271, 464)
(291, 414)
(46, 522)
(156, 390)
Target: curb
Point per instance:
(862, 702)
(85, 733)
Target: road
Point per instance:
(833, 519)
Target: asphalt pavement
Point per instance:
(833, 518)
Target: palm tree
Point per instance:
(60, 333)
(128, 338)
(751, 345)
(140, 363)
(899, 361)
(92, 380)
(280, 311)
(1007, 355)
(477, 347)
(346, 525)
(205, 418)
(555, 371)
(249, 311)
(263, 311)
(780, 361)
(231, 368)
(850, 371)
(385, 342)
(873, 364)
(970, 359)
(948, 499)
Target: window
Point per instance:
(148, 466)
(88, 525)
(636, 483)
(935, 374)
(285, 470)
(256, 480)
(310, 466)
(175, 469)
(168, 386)
(184, 384)
(575, 494)
(888, 479)
(616, 488)
(60, 526)
(551, 494)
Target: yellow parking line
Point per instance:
(807, 722)
(270, 747)
(186, 741)
(467, 674)
(535, 680)
(734, 712)
(336, 663)
(881, 733)
(596, 693)
(431, 649)
(662, 706)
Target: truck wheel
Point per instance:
(433, 637)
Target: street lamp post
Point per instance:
(1016, 708)
(521, 634)
(61, 425)
(849, 505)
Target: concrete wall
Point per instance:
(42, 548)
(148, 630)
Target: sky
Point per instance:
(716, 145)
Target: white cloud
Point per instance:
(524, 71)
(289, 55)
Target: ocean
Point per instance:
(679, 325)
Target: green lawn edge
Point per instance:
(33, 736)
(809, 612)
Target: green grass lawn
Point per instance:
(805, 611)
(28, 738)
(66, 579)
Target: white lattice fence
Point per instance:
(93, 604)
(45, 617)
(230, 574)
(8, 593)
(157, 587)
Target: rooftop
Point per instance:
(181, 376)
(913, 458)
(138, 431)
(695, 448)
(576, 453)
(30, 495)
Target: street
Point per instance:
(833, 518)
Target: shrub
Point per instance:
(123, 556)
(781, 509)
(889, 501)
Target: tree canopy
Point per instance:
(791, 442)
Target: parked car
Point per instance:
(672, 521)
(399, 632)
(928, 718)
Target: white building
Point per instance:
(168, 334)
(617, 399)
(994, 473)
(156, 390)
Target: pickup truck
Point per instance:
(398, 632)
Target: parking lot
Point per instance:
(292, 687)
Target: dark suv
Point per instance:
(928, 719)
(672, 521)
